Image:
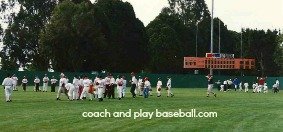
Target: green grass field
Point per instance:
(236, 111)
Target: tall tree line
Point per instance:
(77, 35)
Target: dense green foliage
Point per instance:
(77, 35)
(236, 111)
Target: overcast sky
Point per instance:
(260, 14)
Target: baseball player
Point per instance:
(255, 87)
(246, 85)
(277, 84)
(265, 88)
(36, 83)
(53, 83)
(119, 82)
(112, 87)
(210, 85)
(236, 83)
(107, 86)
(76, 83)
(62, 88)
(225, 83)
(86, 84)
(168, 87)
(71, 91)
(8, 85)
(158, 87)
(261, 82)
(124, 87)
(140, 86)
(147, 86)
(15, 82)
(24, 83)
(45, 83)
(134, 83)
(99, 83)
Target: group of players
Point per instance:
(101, 88)
(82, 87)
(258, 87)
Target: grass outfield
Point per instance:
(236, 111)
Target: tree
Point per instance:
(166, 44)
(73, 39)
(190, 11)
(126, 36)
(21, 37)
(261, 45)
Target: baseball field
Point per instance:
(188, 110)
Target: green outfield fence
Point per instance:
(178, 80)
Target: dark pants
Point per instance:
(107, 90)
(53, 87)
(225, 87)
(36, 87)
(111, 91)
(133, 88)
(80, 90)
(145, 92)
(24, 86)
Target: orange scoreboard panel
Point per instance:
(218, 63)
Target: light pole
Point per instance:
(197, 39)
(211, 33)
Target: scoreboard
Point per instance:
(218, 61)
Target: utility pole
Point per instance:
(211, 42)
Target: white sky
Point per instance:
(260, 14)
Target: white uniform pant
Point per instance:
(15, 86)
(221, 87)
(61, 90)
(246, 89)
(158, 92)
(45, 85)
(73, 93)
(169, 91)
(100, 92)
(209, 88)
(8, 92)
(124, 91)
(259, 88)
(120, 91)
(265, 89)
(84, 92)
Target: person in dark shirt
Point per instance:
(210, 85)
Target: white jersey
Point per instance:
(45, 80)
(134, 80)
(36, 80)
(100, 83)
(107, 80)
(120, 82)
(24, 80)
(7, 82)
(277, 83)
(69, 86)
(159, 84)
(112, 81)
(62, 81)
(76, 82)
(225, 82)
(246, 85)
(15, 80)
(147, 84)
(81, 82)
(230, 82)
(140, 82)
(53, 81)
(169, 83)
(86, 82)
